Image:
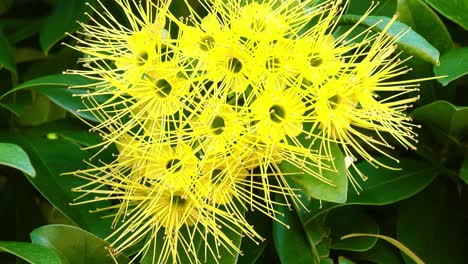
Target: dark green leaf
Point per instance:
(14, 156)
(291, 242)
(411, 42)
(430, 224)
(347, 220)
(75, 245)
(422, 19)
(251, 250)
(381, 253)
(335, 191)
(447, 117)
(63, 20)
(32, 253)
(454, 10)
(453, 65)
(383, 186)
(51, 158)
(7, 59)
(464, 170)
(56, 88)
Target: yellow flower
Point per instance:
(278, 114)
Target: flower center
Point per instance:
(163, 87)
(315, 60)
(234, 65)
(217, 176)
(206, 43)
(333, 101)
(277, 113)
(272, 64)
(174, 165)
(141, 58)
(217, 125)
(178, 201)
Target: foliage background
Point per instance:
(424, 205)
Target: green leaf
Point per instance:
(445, 116)
(392, 241)
(55, 87)
(343, 260)
(251, 250)
(291, 242)
(14, 156)
(381, 253)
(7, 59)
(51, 158)
(32, 253)
(346, 220)
(454, 10)
(75, 245)
(453, 65)
(383, 186)
(422, 19)
(384, 8)
(63, 20)
(335, 191)
(411, 42)
(431, 224)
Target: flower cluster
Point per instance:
(204, 110)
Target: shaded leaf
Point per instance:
(291, 242)
(7, 59)
(51, 158)
(411, 42)
(63, 20)
(455, 10)
(347, 220)
(384, 8)
(431, 225)
(75, 245)
(464, 170)
(392, 241)
(453, 65)
(381, 253)
(32, 253)
(14, 156)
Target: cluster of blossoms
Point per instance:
(204, 110)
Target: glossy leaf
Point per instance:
(411, 42)
(383, 186)
(55, 87)
(453, 65)
(343, 260)
(291, 242)
(335, 191)
(422, 19)
(63, 20)
(347, 220)
(32, 253)
(445, 116)
(431, 225)
(454, 10)
(14, 156)
(75, 245)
